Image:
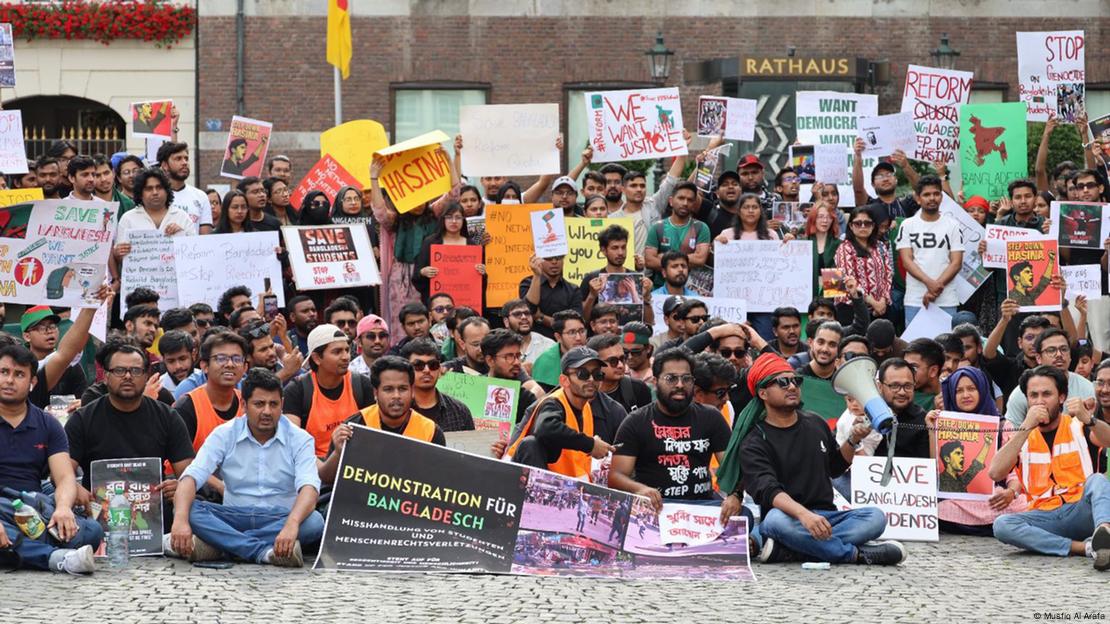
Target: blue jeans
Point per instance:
(911, 311)
(35, 554)
(1052, 532)
(849, 529)
(248, 532)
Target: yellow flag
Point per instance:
(339, 36)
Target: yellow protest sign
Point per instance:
(509, 249)
(416, 171)
(583, 253)
(10, 197)
(353, 144)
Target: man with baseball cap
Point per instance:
(750, 171)
(564, 195)
(884, 180)
(675, 326)
(562, 434)
(40, 329)
(319, 401)
(372, 335)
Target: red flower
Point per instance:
(148, 20)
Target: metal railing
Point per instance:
(99, 140)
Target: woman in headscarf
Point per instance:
(315, 209)
(968, 390)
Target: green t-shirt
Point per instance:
(674, 238)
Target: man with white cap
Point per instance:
(319, 401)
(564, 195)
(372, 335)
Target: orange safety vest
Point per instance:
(726, 413)
(419, 427)
(573, 464)
(1053, 477)
(207, 418)
(326, 414)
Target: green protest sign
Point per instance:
(992, 147)
(492, 402)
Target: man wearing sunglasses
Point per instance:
(629, 392)
(501, 350)
(517, 316)
(344, 315)
(449, 413)
(563, 434)
(636, 341)
(441, 305)
(373, 340)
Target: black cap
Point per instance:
(671, 303)
(881, 334)
(579, 356)
(727, 174)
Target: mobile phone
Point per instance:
(213, 565)
(269, 307)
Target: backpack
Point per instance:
(307, 391)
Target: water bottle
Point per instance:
(119, 530)
(28, 520)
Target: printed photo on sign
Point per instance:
(134, 481)
(1030, 266)
(1070, 101)
(832, 118)
(549, 233)
(152, 119)
(7, 57)
(804, 162)
(1079, 224)
(832, 283)
(245, 153)
(331, 256)
(712, 116)
(1100, 129)
(966, 445)
(626, 291)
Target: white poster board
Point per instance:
(885, 134)
(208, 265)
(832, 117)
(549, 233)
(765, 274)
(1083, 279)
(933, 96)
(331, 256)
(509, 139)
(637, 124)
(830, 164)
(732, 118)
(731, 310)
(150, 264)
(997, 237)
(909, 500)
(1049, 63)
(13, 152)
(972, 272)
(693, 525)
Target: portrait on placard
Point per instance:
(152, 119)
(245, 153)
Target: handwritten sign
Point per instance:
(352, 145)
(693, 525)
(509, 139)
(326, 175)
(636, 124)
(457, 275)
(830, 163)
(909, 500)
(549, 232)
(209, 265)
(1083, 279)
(55, 252)
(732, 118)
(993, 149)
(492, 402)
(997, 236)
(13, 153)
(416, 171)
(831, 118)
(508, 251)
(1047, 61)
(765, 274)
(933, 96)
(731, 310)
(885, 134)
(331, 256)
(247, 143)
(10, 197)
(584, 254)
(150, 264)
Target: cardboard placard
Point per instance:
(457, 275)
(416, 171)
(331, 256)
(152, 119)
(208, 265)
(247, 143)
(636, 124)
(353, 145)
(326, 175)
(765, 274)
(509, 139)
(934, 96)
(1051, 65)
(909, 500)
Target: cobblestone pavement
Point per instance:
(959, 579)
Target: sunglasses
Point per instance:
(721, 393)
(697, 319)
(202, 323)
(863, 224)
(345, 323)
(728, 352)
(583, 374)
(376, 335)
(259, 332)
(419, 365)
(615, 361)
(1087, 186)
(784, 382)
(444, 309)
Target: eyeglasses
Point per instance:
(903, 387)
(46, 328)
(790, 178)
(124, 371)
(345, 323)
(697, 319)
(1083, 186)
(1051, 351)
(615, 361)
(517, 314)
(852, 354)
(202, 323)
(564, 192)
(883, 174)
(672, 379)
(784, 382)
(728, 352)
(319, 204)
(634, 352)
(1029, 337)
(260, 331)
(574, 332)
(443, 309)
(222, 359)
(419, 365)
(376, 336)
(863, 224)
(584, 374)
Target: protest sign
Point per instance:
(352, 145)
(909, 500)
(549, 232)
(134, 479)
(416, 171)
(1083, 279)
(150, 148)
(966, 444)
(401, 504)
(930, 322)
(150, 264)
(584, 254)
(509, 139)
(152, 119)
(732, 118)
(245, 153)
(1051, 64)
(209, 265)
(765, 274)
(10, 197)
(1079, 224)
(933, 97)
(509, 250)
(1030, 265)
(830, 163)
(803, 161)
(13, 153)
(492, 402)
(55, 252)
(457, 274)
(330, 256)
(885, 134)
(1100, 129)
(7, 56)
(993, 150)
(710, 167)
(476, 228)
(326, 175)
(790, 214)
(832, 283)
(693, 525)
(637, 124)
(731, 310)
(832, 118)
(997, 236)
(624, 290)
(972, 272)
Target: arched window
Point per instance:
(93, 127)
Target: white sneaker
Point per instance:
(77, 562)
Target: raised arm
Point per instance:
(1041, 166)
(857, 173)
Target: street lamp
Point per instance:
(945, 55)
(659, 65)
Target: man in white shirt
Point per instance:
(931, 247)
(153, 211)
(82, 177)
(173, 158)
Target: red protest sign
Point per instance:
(457, 273)
(326, 175)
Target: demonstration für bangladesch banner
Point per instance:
(400, 504)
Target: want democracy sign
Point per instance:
(832, 118)
(934, 97)
(400, 504)
(636, 124)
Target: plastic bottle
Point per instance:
(119, 530)
(28, 520)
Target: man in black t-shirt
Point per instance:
(896, 384)
(663, 449)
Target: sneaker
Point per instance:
(881, 553)
(292, 560)
(202, 550)
(1100, 544)
(77, 562)
(773, 552)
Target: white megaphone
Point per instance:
(856, 378)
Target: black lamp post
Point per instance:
(945, 55)
(659, 66)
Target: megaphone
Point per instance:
(856, 378)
